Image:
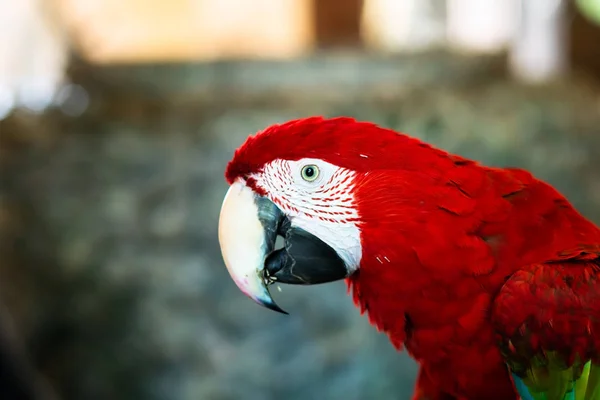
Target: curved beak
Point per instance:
(248, 228)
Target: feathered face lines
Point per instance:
(328, 198)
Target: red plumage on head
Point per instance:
(343, 141)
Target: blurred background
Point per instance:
(117, 118)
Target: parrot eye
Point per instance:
(310, 172)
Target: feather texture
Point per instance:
(552, 343)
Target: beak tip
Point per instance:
(269, 303)
(275, 307)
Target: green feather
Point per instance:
(592, 383)
(548, 378)
(581, 385)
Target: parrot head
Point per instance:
(335, 190)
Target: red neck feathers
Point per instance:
(440, 240)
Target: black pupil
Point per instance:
(309, 172)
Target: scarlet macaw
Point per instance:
(487, 276)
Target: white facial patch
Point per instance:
(324, 207)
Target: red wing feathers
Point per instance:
(548, 316)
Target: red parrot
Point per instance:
(488, 277)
